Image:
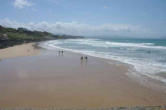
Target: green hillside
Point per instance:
(11, 36)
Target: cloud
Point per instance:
(22, 3)
(76, 28)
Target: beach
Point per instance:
(31, 77)
(18, 51)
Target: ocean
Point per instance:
(147, 56)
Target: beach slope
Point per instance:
(50, 79)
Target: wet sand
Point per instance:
(162, 74)
(64, 81)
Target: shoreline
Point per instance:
(135, 74)
(92, 84)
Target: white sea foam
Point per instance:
(145, 66)
(99, 43)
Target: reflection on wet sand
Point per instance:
(63, 82)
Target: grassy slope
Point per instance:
(11, 36)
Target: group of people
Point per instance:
(82, 60)
(85, 57)
(82, 57)
(60, 52)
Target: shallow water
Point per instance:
(147, 56)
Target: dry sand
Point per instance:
(19, 50)
(64, 81)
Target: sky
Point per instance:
(107, 18)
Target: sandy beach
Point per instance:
(48, 79)
(18, 51)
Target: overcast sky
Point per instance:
(132, 18)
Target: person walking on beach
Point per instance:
(81, 58)
(86, 58)
(62, 52)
